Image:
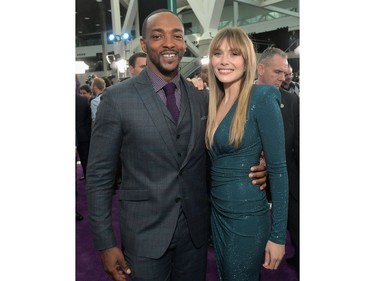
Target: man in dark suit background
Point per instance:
(83, 134)
(272, 67)
(164, 199)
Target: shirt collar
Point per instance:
(158, 83)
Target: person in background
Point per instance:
(90, 78)
(78, 84)
(163, 197)
(107, 81)
(203, 75)
(272, 69)
(85, 91)
(288, 84)
(137, 62)
(97, 86)
(243, 120)
(83, 135)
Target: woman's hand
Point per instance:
(273, 256)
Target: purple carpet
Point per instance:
(88, 263)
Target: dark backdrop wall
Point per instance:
(280, 38)
(147, 6)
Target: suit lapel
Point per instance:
(153, 104)
(154, 107)
(195, 106)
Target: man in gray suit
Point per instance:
(163, 197)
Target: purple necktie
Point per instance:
(171, 100)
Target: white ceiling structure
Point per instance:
(95, 16)
(280, 13)
(119, 16)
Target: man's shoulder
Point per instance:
(291, 100)
(95, 100)
(296, 84)
(288, 94)
(128, 86)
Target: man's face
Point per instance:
(85, 94)
(139, 64)
(164, 43)
(273, 71)
(288, 77)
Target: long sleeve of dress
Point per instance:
(271, 129)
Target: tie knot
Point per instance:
(169, 89)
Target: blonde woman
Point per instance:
(243, 120)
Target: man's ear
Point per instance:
(260, 69)
(143, 45)
(186, 45)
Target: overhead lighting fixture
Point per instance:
(110, 58)
(81, 67)
(205, 60)
(115, 38)
(112, 37)
(125, 36)
(122, 65)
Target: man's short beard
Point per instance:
(167, 72)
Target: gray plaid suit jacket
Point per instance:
(132, 122)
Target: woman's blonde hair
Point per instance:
(239, 42)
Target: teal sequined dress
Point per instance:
(240, 220)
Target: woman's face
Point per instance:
(228, 64)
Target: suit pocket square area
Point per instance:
(204, 117)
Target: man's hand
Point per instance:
(259, 176)
(114, 263)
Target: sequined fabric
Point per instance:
(241, 220)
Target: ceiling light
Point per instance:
(125, 36)
(205, 60)
(81, 67)
(112, 37)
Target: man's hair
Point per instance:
(107, 81)
(86, 88)
(269, 53)
(134, 57)
(144, 25)
(98, 82)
